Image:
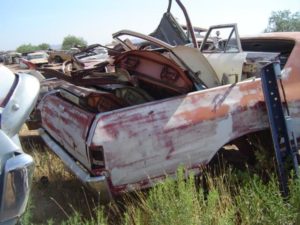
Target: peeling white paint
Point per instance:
(163, 138)
(285, 73)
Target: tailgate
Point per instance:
(68, 125)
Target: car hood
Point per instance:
(38, 61)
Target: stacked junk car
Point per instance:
(155, 102)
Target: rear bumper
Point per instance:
(13, 221)
(98, 184)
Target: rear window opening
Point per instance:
(284, 47)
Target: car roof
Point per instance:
(276, 35)
(37, 53)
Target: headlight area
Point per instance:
(16, 183)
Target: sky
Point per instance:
(49, 21)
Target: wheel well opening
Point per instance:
(253, 152)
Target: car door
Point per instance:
(222, 48)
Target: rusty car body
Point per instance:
(126, 148)
(164, 106)
(59, 56)
(38, 58)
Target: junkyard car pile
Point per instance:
(38, 58)
(125, 122)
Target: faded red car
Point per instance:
(114, 147)
(164, 105)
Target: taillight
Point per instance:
(96, 159)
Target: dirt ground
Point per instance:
(14, 67)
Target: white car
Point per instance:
(38, 58)
(18, 94)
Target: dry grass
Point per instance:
(226, 197)
(56, 193)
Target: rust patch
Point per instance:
(249, 119)
(204, 113)
(169, 145)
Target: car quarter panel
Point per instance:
(153, 139)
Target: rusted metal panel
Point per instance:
(291, 81)
(291, 73)
(184, 130)
(91, 99)
(188, 129)
(152, 68)
(67, 124)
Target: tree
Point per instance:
(283, 21)
(43, 46)
(26, 48)
(71, 40)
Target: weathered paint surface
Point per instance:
(153, 139)
(67, 124)
(154, 66)
(198, 63)
(229, 63)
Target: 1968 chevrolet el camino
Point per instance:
(121, 147)
(164, 106)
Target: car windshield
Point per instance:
(221, 39)
(100, 51)
(37, 56)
